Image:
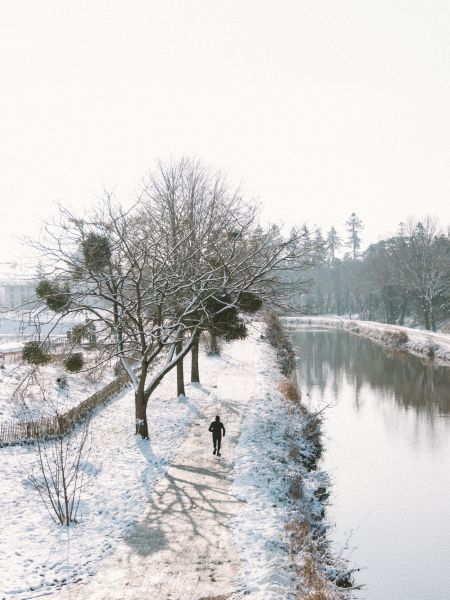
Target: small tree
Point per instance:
(59, 473)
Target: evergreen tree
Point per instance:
(354, 225)
(333, 244)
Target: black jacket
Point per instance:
(216, 428)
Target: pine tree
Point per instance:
(354, 225)
(333, 244)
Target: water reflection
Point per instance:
(345, 357)
(387, 450)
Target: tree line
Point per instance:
(404, 278)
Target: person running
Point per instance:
(216, 429)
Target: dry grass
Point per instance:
(296, 487)
(295, 453)
(290, 391)
(395, 338)
(299, 531)
(306, 558)
(312, 428)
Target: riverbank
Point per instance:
(166, 516)
(427, 344)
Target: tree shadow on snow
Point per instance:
(190, 507)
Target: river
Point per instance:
(388, 451)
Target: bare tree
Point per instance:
(422, 265)
(59, 473)
(151, 278)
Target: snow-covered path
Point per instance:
(181, 548)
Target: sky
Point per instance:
(317, 109)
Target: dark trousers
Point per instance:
(216, 441)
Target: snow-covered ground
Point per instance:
(417, 341)
(36, 555)
(42, 393)
(243, 498)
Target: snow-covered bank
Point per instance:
(265, 469)
(424, 343)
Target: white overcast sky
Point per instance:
(317, 108)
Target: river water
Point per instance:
(388, 452)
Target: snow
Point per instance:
(262, 478)
(11, 347)
(79, 387)
(419, 341)
(235, 528)
(125, 469)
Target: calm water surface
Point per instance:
(388, 451)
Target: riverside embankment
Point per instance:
(428, 344)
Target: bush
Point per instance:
(289, 391)
(74, 362)
(395, 338)
(235, 331)
(34, 354)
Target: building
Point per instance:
(11, 353)
(17, 294)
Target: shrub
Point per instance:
(395, 338)
(235, 331)
(74, 362)
(34, 354)
(296, 487)
(289, 391)
(295, 453)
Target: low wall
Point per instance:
(12, 432)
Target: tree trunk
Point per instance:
(140, 403)
(214, 343)
(426, 315)
(180, 371)
(432, 319)
(195, 375)
(402, 312)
